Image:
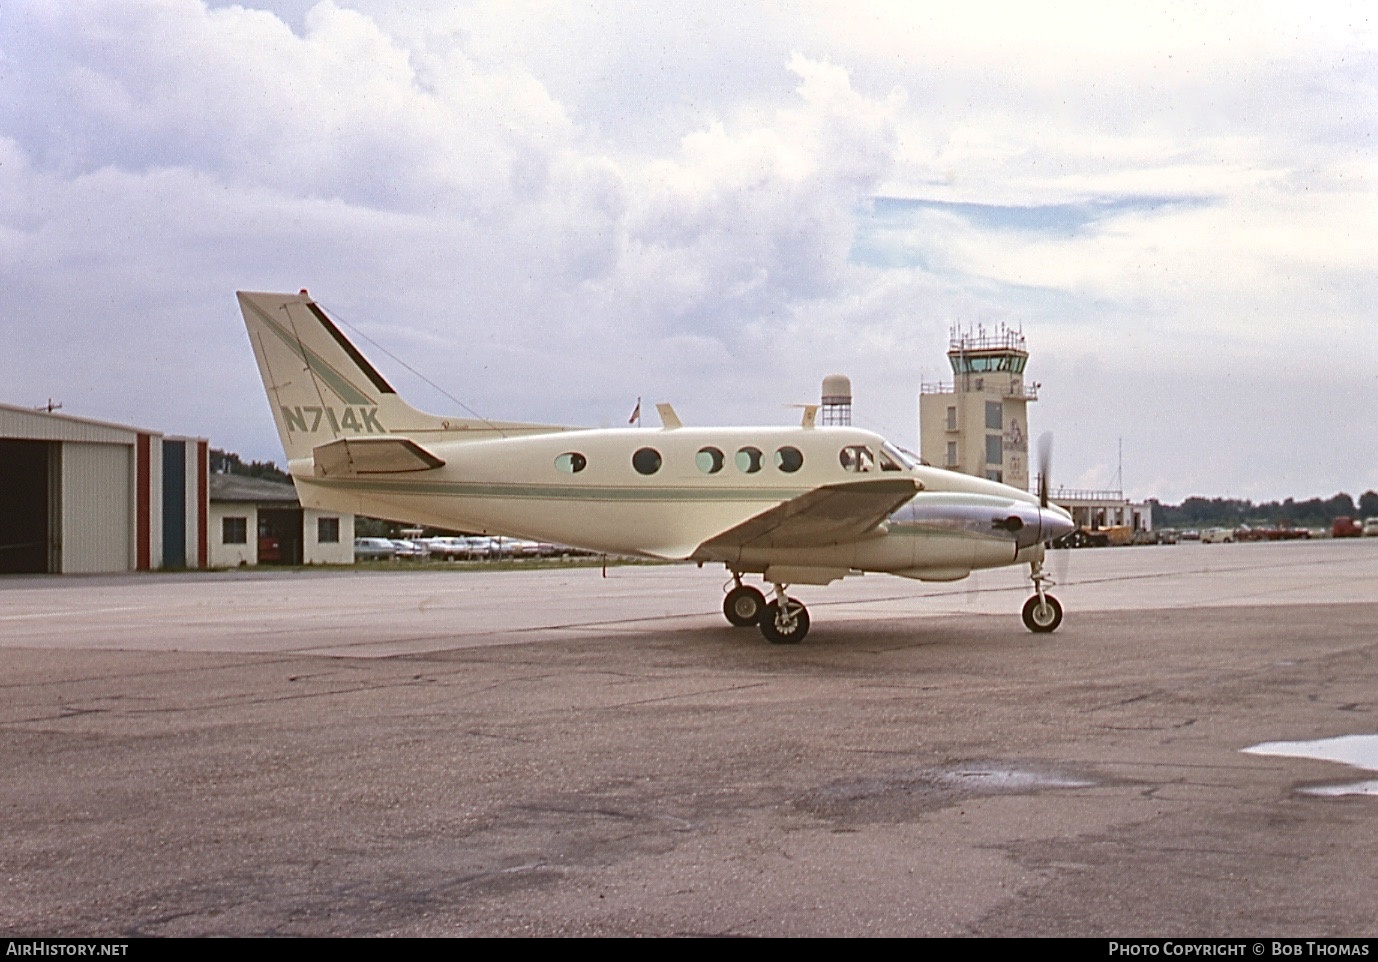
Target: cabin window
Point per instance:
(857, 458)
(888, 462)
(571, 462)
(749, 460)
(234, 530)
(789, 460)
(646, 461)
(710, 460)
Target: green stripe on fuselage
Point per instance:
(554, 492)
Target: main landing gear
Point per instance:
(743, 604)
(784, 621)
(1042, 612)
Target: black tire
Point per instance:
(777, 635)
(743, 606)
(1040, 619)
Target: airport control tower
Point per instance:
(978, 424)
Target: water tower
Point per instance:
(837, 401)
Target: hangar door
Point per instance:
(30, 474)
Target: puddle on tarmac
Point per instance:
(898, 794)
(1359, 751)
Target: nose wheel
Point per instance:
(1042, 615)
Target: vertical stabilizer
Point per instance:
(321, 389)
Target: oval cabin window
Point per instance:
(789, 460)
(710, 460)
(646, 461)
(571, 462)
(749, 460)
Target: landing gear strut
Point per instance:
(785, 621)
(743, 604)
(1042, 612)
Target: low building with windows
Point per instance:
(254, 521)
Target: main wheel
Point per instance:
(743, 606)
(1042, 617)
(778, 633)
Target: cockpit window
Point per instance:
(646, 461)
(903, 459)
(571, 462)
(857, 458)
(789, 460)
(710, 460)
(748, 460)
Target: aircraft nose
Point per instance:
(1055, 523)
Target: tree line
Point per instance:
(227, 462)
(1233, 512)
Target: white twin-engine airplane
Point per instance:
(796, 505)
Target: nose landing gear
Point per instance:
(1042, 612)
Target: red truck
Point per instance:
(1346, 527)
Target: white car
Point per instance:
(374, 549)
(411, 550)
(1217, 536)
(1370, 528)
(449, 549)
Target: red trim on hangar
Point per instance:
(202, 504)
(143, 493)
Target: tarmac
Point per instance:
(338, 752)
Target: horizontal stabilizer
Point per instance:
(354, 456)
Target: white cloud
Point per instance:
(555, 208)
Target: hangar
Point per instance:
(79, 496)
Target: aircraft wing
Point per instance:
(831, 514)
(350, 457)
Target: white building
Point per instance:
(254, 521)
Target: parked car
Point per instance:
(374, 549)
(1217, 536)
(449, 549)
(410, 550)
(1371, 527)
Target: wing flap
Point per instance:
(831, 514)
(379, 455)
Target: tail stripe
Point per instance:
(369, 370)
(336, 381)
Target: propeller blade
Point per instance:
(1045, 465)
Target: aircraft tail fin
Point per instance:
(322, 389)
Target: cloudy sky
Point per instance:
(552, 208)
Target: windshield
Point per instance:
(893, 459)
